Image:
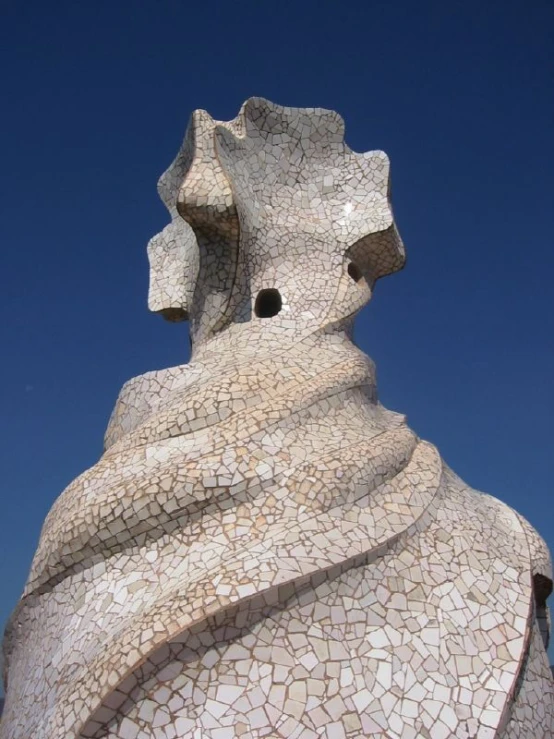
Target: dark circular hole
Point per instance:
(268, 303)
(355, 272)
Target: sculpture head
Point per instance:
(273, 217)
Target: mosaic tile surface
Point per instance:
(264, 550)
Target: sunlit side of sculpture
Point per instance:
(264, 550)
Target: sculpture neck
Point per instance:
(277, 335)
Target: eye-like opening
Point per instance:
(542, 588)
(268, 303)
(355, 272)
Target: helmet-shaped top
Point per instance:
(276, 202)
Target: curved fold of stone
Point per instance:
(263, 549)
(173, 253)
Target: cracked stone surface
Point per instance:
(264, 550)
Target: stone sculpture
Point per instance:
(264, 550)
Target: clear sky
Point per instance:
(96, 97)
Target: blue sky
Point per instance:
(96, 99)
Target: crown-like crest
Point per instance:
(272, 169)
